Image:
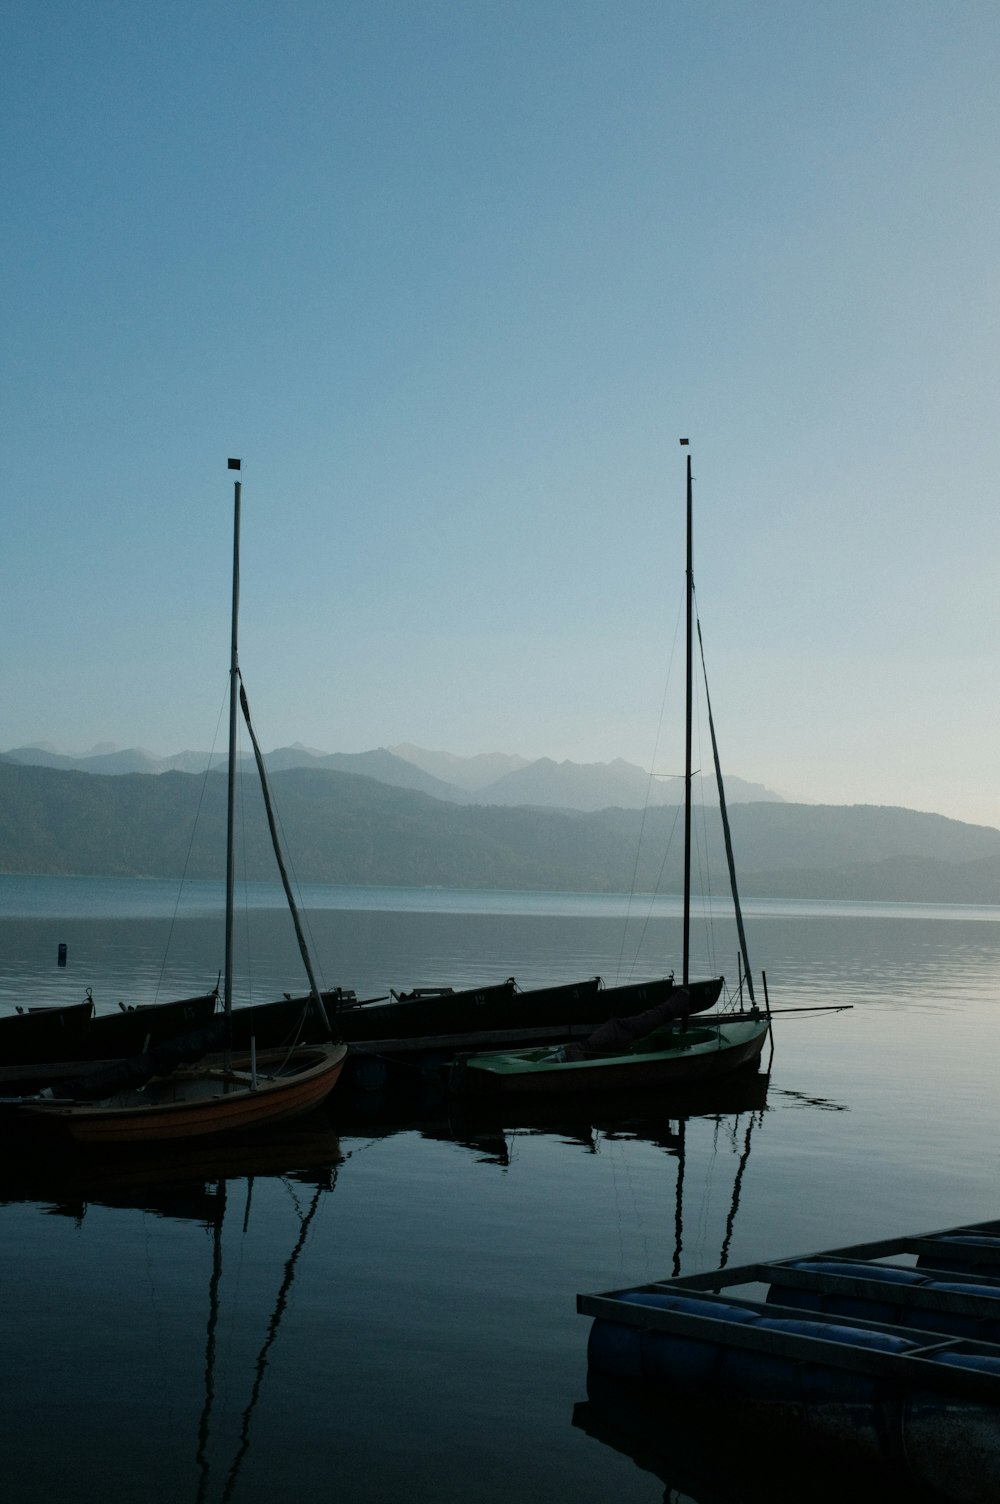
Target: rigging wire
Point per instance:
(245, 860)
(701, 852)
(668, 845)
(701, 1224)
(646, 805)
(708, 911)
(624, 1143)
(701, 845)
(187, 857)
(158, 1314)
(726, 830)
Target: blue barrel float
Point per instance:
(877, 1350)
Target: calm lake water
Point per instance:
(381, 1307)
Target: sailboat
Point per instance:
(216, 1096)
(657, 1048)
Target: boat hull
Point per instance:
(732, 1047)
(501, 1007)
(45, 1045)
(200, 1103)
(40, 1034)
(36, 1050)
(287, 1022)
(133, 1031)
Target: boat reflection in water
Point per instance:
(263, 1332)
(754, 1452)
(706, 1455)
(186, 1181)
(210, 1185)
(701, 1454)
(68, 1177)
(490, 1127)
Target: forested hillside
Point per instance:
(342, 828)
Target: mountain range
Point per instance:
(489, 778)
(346, 827)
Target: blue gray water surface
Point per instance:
(380, 1305)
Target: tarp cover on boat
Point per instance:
(619, 1033)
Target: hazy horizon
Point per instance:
(452, 281)
(217, 757)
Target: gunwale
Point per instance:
(725, 1048)
(199, 1103)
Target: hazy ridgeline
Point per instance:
(345, 828)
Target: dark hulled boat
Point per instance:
(42, 1045)
(59, 1043)
(441, 1016)
(34, 1035)
(653, 1047)
(208, 1099)
(133, 1031)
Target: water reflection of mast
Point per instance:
(213, 1323)
(737, 1183)
(325, 1182)
(272, 1332)
(734, 1204)
(679, 1197)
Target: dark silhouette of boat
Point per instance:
(213, 1097)
(433, 1015)
(656, 1047)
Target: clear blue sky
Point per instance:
(452, 278)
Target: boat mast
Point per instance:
(689, 593)
(234, 672)
(238, 699)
